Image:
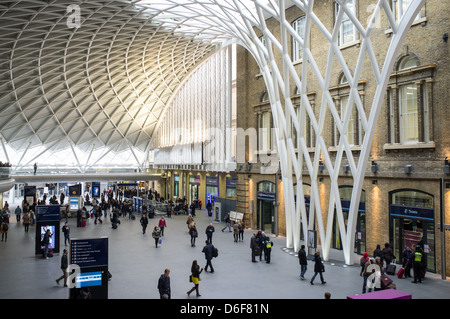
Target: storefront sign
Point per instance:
(412, 212)
(212, 181)
(266, 195)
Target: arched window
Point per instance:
(407, 62)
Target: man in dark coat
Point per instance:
(209, 233)
(303, 262)
(254, 246)
(144, 222)
(208, 250)
(64, 265)
(164, 285)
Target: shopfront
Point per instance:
(411, 222)
(194, 184)
(266, 197)
(212, 189)
(345, 193)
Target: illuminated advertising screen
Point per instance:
(74, 203)
(52, 237)
(89, 279)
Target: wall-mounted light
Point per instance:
(321, 166)
(320, 179)
(374, 182)
(409, 168)
(446, 166)
(374, 167)
(249, 166)
(346, 168)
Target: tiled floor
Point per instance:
(136, 265)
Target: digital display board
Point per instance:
(89, 252)
(89, 279)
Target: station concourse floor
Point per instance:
(136, 265)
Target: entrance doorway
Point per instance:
(345, 193)
(412, 223)
(265, 211)
(266, 216)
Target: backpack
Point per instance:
(215, 252)
(363, 261)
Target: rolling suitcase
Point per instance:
(390, 270)
(401, 273)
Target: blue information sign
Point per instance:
(89, 252)
(48, 213)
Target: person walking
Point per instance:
(164, 285)
(64, 265)
(26, 220)
(66, 231)
(144, 222)
(194, 233)
(227, 223)
(162, 224)
(319, 268)
(303, 261)
(369, 269)
(189, 221)
(4, 229)
(18, 212)
(156, 234)
(195, 277)
(35, 168)
(208, 251)
(362, 262)
(209, 233)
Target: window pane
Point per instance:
(347, 30)
(409, 125)
(351, 132)
(299, 27)
(265, 131)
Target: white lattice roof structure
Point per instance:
(87, 83)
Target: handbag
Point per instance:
(385, 281)
(160, 240)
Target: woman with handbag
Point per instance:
(195, 277)
(319, 268)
